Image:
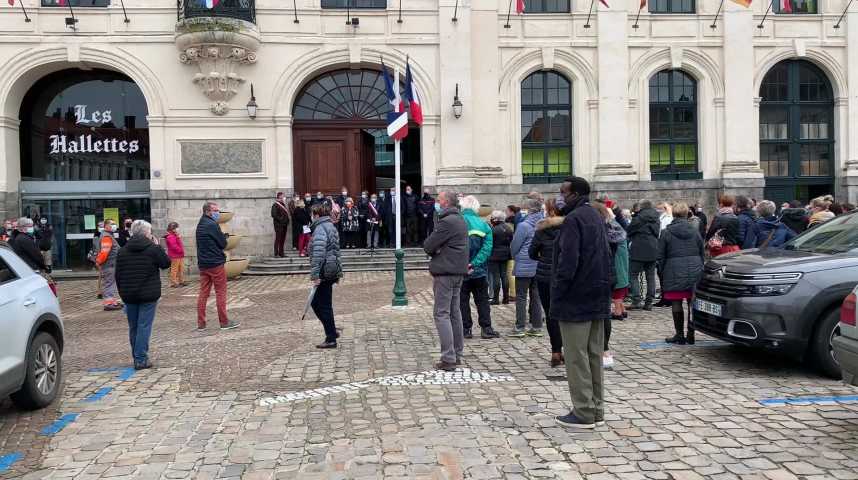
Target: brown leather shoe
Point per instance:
(556, 360)
(447, 367)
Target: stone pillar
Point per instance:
(740, 170)
(613, 155)
(484, 79)
(850, 124)
(10, 167)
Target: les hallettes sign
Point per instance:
(86, 143)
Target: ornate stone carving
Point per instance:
(217, 47)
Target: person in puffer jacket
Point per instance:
(525, 271)
(680, 257)
(542, 250)
(771, 233)
(479, 250)
(325, 269)
(500, 257)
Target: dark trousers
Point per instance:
(296, 234)
(412, 233)
(607, 333)
(362, 235)
(635, 269)
(323, 307)
(479, 288)
(350, 239)
(498, 278)
(426, 226)
(140, 318)
(553, 327)
(279, 239)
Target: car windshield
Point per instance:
(839, 235)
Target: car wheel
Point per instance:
(44, 372)
(823, 352)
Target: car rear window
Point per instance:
(7, 275)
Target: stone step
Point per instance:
(356, 266)
(346, 269)
(361, 259)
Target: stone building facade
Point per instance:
(721, 122)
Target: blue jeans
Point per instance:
(140, 318)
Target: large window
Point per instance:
(546, 127)
(76, 3)
(354, 3)
(671, 6)
(796, 122)
(344, 95)
(797, 7)
(673, 125)
(546, 6)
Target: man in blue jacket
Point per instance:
(580, 301)
(747, 223)
(210, 260)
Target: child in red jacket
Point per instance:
(176, 252)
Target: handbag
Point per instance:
(717, 240)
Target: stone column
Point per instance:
(613, 155)
(850, 124)
(484, 79)
(10, 167)
(740, 171)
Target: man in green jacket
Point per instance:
(476, 283)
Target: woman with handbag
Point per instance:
(325, 270)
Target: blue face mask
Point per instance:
(437, 207)
(215, 216)
(30, 230)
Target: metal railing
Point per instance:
(238, 9)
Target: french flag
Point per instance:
(212, 3)
(519, 6)
(397, 120)
(412, 96)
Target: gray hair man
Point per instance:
(211, 260)
(771, 232)
(448, 247)
(480, 240)
(24, 244)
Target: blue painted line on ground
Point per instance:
(700, 343)
(59, 424)
(102, 370)
(770, 402)
(125, 374)
(99, 394)
(6, 461)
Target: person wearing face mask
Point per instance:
(426, 218)
(45, 240)
(325, 270)
(301, 221)
(210, 260)
(92, 254)
(409, 211)
(280, 217)
(296, 229)
(6, 233)
(363, 215)
(341, 199)
(24, 244)
(106, 260)
(373, 221)
(319, 198)
(387, 219)
(349, 218)
(124, 233)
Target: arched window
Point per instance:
(673, 125)
(344, 95)
(546, 127)
(797, 129)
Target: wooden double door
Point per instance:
(326, 157)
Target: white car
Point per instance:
(846, 345)
(31, 342)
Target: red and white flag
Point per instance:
(11, 3)
(413, 97)
(786, 6)
(212, 3)
(605, 3)
(519, 6)
(643, 4)
(397, 120)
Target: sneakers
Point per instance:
(647, 307)
(468, 333)
(229, 326)
(489, 333)
(607, 361)
(495, 302)
(112, 307)
(534, 333)
(557, 360)
(143, 366)
(574, 422)
(326, 345)
(200, 328)
(677, 339)
(689, 338)
(517, 334)
(447, 367)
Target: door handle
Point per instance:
(29, 302)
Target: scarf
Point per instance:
(725, 211)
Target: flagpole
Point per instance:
(508, 13)
(760, 26)
(638, 17)
(593, 2)
(295, 10)
(122, 2)
(399, 289)
(27, 17)
(73, 24)
(836, 25)
(715, 20)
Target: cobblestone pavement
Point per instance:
(261, 402)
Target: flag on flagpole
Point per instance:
(519, 6)
(786, 6)
(212, 3)
(413, 96)
(397, 120)
(61, 2)
(11, 3)
(744, 3)
(605, 3)
(643, 4)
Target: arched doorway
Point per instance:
(339, 135)
(797, 132)
(84, 156)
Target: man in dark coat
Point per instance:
(124, 233)
(280, 216)
(386, 215)
(24, 244)
(747, 223)
(795, 217)
(210, 260)
(409, 211)
(138, 279)
(449, 248)
(643, 252)
(426, 217)
(363, 213)
(580, 300)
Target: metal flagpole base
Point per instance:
(399, 291)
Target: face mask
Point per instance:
(100, 229)
(363, 196)
(344, 192)
(30, 230)
(381, 194)
(319, 197)
(307, 199)
(373, 199)
(437, 207)
(43, 221)
(215, 216)
(408, 192)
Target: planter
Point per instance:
(225, 217)
(232, 242)
(235, 267)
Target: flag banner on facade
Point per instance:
(519, 6)
(786, 6)
(605, 3)
(744, 3)
(11, 3)
(397, 120)
(642, 5)
(413, 96)
(211, 3)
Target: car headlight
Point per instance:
(770, 290)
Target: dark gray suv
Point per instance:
(783, 298)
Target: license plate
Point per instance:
(707, 307)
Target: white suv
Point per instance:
(31, 342)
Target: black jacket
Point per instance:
(137, 275)
(704, 222)
(643, 236)
(210, 244)
(45, 238)
(747, 229)
(729, 224)
(581, 287)
(448, 245)
(280, 215)
(426, 207)
(542, 246)
(122, 236)
(680, 256)
(795, 218)
(25, 246)
(301, 217)
(501, 239)
(409, 204)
